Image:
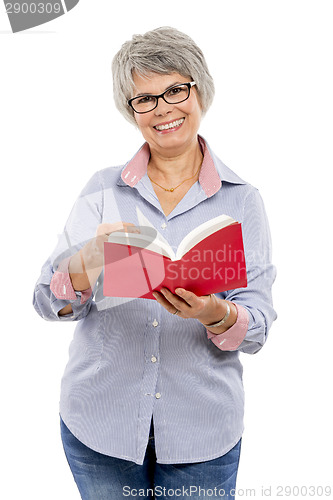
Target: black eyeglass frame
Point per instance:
(189, 85)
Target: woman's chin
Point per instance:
(173, 140)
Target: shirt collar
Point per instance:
(212, 174)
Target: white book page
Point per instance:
(148, 238)
(201, 232)
(147, 241)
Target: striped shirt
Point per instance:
(131, 360)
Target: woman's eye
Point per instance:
(145, 99)
(175, 91)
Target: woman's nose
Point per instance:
(163, 108)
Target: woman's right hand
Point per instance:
(92, 255)
(93, 251)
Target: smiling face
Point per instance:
(169, 129)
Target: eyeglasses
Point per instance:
(174, 95)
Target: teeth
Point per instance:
(174, 124)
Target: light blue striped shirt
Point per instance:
(131, 360)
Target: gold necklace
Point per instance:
(173, 188)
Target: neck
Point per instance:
(172, 169)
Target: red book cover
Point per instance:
(215, 264)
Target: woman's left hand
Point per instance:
(207, 309)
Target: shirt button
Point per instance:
(153, 359)
(157, 395)
(163, 226)
(155, 323)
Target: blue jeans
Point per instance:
(100, 477)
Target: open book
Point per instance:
(209, 259)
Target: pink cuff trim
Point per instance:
(61, 285)
(234, 336)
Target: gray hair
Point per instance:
(163, 50)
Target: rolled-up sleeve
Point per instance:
(61, 285)
(48, 305)
(234, 336)
(54, 290)
(257, 313)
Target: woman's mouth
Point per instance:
(170, 125)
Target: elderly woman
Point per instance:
(152, 396)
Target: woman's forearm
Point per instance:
(65, 310)
(86, 265)
(81, 278)
(81, 274)
(220, 313)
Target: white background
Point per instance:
(271, 122)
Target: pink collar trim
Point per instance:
(137, 167)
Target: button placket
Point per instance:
(151, 349)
